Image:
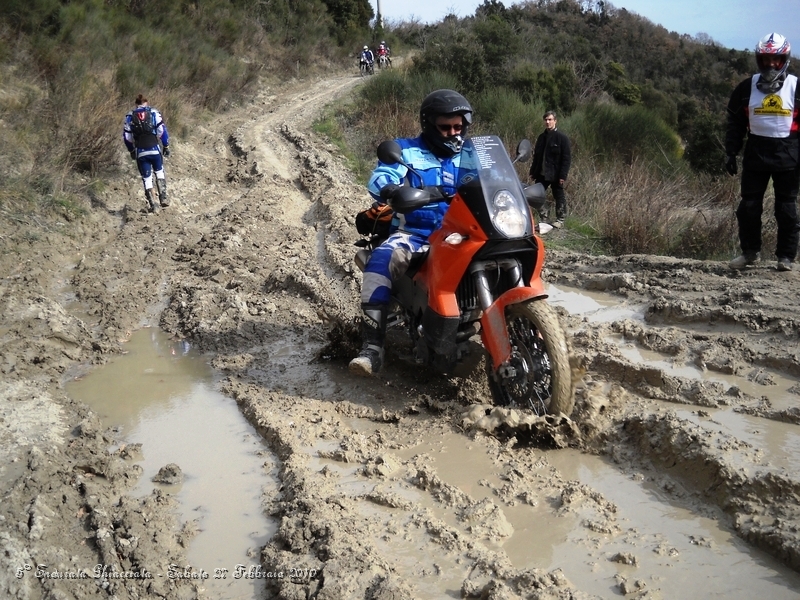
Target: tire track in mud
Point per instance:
(738, 332)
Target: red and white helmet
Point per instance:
(771, 46)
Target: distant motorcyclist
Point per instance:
(367, 56)
(445, 117)
(384, 51)
(142, 130)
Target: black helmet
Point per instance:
(444, 103)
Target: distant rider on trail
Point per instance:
(367, 57)
(383, 51)
(142, 130)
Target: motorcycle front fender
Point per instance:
(494, 332)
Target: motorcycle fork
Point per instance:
(494, 330)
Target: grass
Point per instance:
(329, 127)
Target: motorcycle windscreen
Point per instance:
(489, 185)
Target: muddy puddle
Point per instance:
(779, 441)
(670, 547)
(161, 394)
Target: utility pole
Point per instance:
(379, 18)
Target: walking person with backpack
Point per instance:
(142, 131)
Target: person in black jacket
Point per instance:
(552, 158)
(766, 107)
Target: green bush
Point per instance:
(610, 133)
(504, 113)
(463, 59)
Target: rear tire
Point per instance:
(540, 357)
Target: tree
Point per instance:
(349, 16)
(498, 40)
(617, 84)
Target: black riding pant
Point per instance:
(558, 195)
(748, 214)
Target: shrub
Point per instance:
(611, 132)
(636, 210)
(502, 112)
(463, 59)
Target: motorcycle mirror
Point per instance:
(536, 195)
(389, 152)
(523, 151)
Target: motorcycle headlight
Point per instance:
(507, 216)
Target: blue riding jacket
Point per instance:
(435, 171)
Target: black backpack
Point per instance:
(143, 122)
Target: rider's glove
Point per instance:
(133, 154)
(166, 151)
(388, 190)
(730, 164)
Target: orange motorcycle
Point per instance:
(481, 274)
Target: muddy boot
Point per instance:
(162, 191)
(151, 204)
(373, 332)
(561, 214)
(544, 214)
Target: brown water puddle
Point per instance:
(779, 441)
(595, 307)
(162, 394)
(675, 549)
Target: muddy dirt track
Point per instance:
(677, 477)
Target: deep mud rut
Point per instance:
(253, 264)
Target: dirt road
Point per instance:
(409, 485)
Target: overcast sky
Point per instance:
(735, 24)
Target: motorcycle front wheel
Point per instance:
(540, 377)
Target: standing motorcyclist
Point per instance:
(766, 107)
(142, 130)
(445, 117)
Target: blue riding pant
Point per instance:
(387, 264)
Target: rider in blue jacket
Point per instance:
(367, 56)
(444, 117)
(142, 131)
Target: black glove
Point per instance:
(166, 151)
(133, 154)
(388, 190)
(730, 164)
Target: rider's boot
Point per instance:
(162, 191)
(151, 204)
(373, 333)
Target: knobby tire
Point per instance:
(541, 345)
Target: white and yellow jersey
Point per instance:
(772, 114)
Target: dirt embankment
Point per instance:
(253, 263)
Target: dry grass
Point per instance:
(638, 211)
